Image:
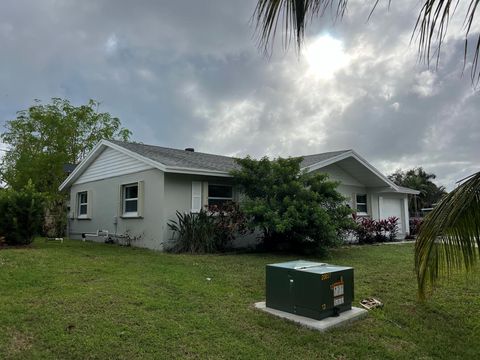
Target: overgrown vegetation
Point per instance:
(45, 137)
(81, 300)
(210, 230)
(295, 210)
(21, 214)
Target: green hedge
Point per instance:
(21, 214)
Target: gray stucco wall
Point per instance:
(105, 205)
(165, 193)
(178, 195)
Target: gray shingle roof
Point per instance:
(198, 160)
(180, 158)
(309, 160)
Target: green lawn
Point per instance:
(86, 300)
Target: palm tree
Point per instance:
(431, 26)
(449, 238)
(418, 179)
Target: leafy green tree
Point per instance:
(45, 137)
(420, 180)
(295, 210)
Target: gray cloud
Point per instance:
(188, 73)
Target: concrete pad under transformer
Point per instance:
(344, 318)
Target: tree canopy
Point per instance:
(45, 137)
(295, 210)
(420, 180)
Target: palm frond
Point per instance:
(449, 238)
(430, 28)
(293, 16)
(432, 25)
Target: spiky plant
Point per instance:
(449, 237)
(431, 26)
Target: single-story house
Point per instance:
(132, 190)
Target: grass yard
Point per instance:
(84, 300)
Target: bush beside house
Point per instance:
(368, 231)
(22, 215)
(295, 210)
(210, 230)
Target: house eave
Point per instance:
(353, 154)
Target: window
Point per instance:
(362, 203)
(82, 204)
(219, 194)
(130, 199)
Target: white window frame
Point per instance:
(361, 203)
(125, 200)
(80, 204)
(218, 197)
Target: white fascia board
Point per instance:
(408, 191)
(180, 170)
(352, 153)
(330, 161)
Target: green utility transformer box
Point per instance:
(310, 289)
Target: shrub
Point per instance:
(369, 231)
(229, 221)
(295, 210)
(415, 224)
(22, 214)
(210, 230)
(193, 233)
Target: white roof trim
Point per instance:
(92, 155)
(351, 153)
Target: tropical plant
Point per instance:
(368, 230)
(449, 237)
(430, 28)
(420, 180)
(193, 233)
(295, 210)
(210, 230)
(21, 214)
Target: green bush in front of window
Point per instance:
(296, 211)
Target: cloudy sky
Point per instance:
(189, 73)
